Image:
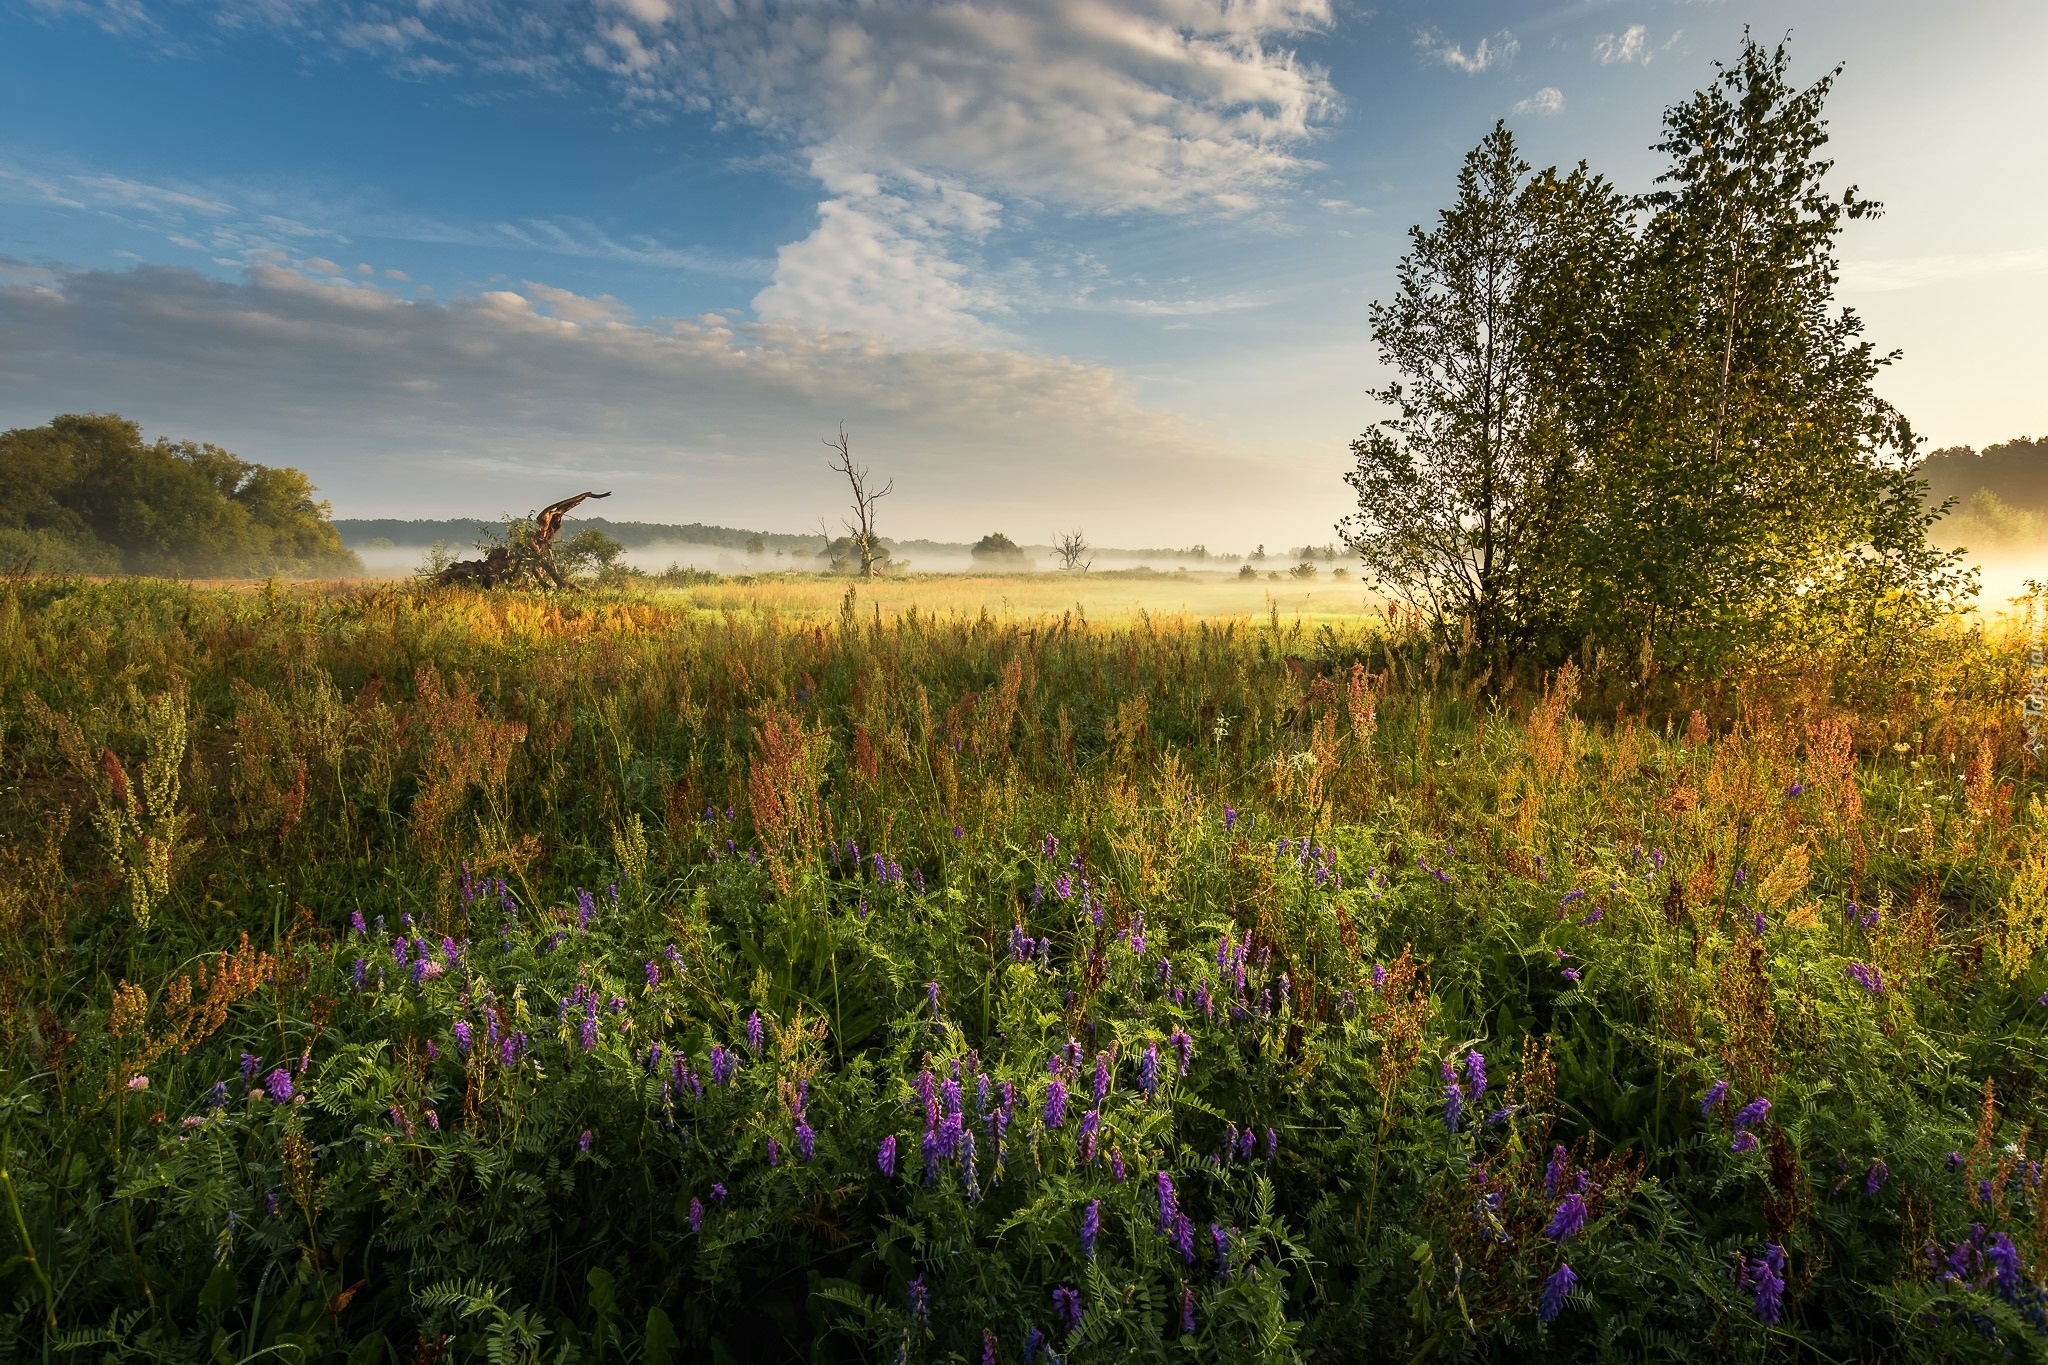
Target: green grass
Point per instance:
(1614, 903)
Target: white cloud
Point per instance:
(1498, 50)
(1888, 275)
(1548, 100)
(1632, 44)
(400, 406)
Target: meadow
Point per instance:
(773, 972)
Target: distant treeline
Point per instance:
(86, 494)
(2015, 472)
(358, 532)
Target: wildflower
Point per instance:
(931, 990)
(1796, 790)
(988, 1347)
(885, 1156)
(774, 1152)
(1102, 1075)
(1569, 897)
(1568, 1221)
(278, 1084)
(434, 1120)
(1184, 1238)
(1741, 877)
(1116, 1164)
(356, 976)
(1554, 1173)
(1867, 977)
(696, 1215)
(1034, 1341)
(1184, 1045)
(583, 1141)
(1571, 974)
(1066, 1303)
(1187, 1310)
(1169, 1206)
(1593, 916)
(2004, 1260)
(1221, 1238)
(653, 974)
(920, 1300)
(142, 1083)
(1272, 1144)
(1758, 922)
(754, 1031)
(1051, 846)
(218, 1096)
(1561, 1283)
(270, 1203)
(1379, 975)
(1091, 1224)
(462, 1036)
(1085, 1140)
(586, 906)
(1475, 1073)
(958, 832)
(1715, 1094)
(1055, 1104)
(1744, 1142)
(1751, 1114)
(806, 1138)
(1229, 819)
(1874, 1180)
(355, 923)
(1063, 887)
(1454, 1104)
(717, 1193)
(250, 1062)
(1765, 1279)
(1657, 858)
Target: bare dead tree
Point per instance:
(1070, 548)
(862, 527)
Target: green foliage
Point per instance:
(519, 1110)
(2015, 472)
(86, 491)
(1646, 425)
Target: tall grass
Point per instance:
(393, 974)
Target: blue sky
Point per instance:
(1053, 263)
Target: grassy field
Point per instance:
(720, 973)
(1096, 596)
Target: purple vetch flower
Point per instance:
(1221, 1237)
(920, 1300)
(1066, 1306)
(885, 1156)
(1063, 886)
(1379, 975)
(653, 973)
(1116, 1164)
(1758, 922)
(434, 1120)
(1797, 789)
(1454, 1105)
(1187, 1310)
(931, 990)
(1229, 819)
(1184, 1046)
(988, 1347)
(1874, 1179)
(1572, 974)
(1569, 897)
(1751, 1114)
(1475, 1074)
(754, 1031)
(1869, 978)
(1183, 1238)
(356, 976)
(1568, 1221)
(583, 1142)
(774, 1152)
(2004, 1260)
(1091, 1224)
(1555, 1289)
(717, 1193)
(355, 923)
(586, 906)
(696, 1215)
(1741, 877)
(1169, 1205)
(462, 1036)
(250, 1061)
(1272, 1144)
(1744, 1142)
(1715, 1094)
(1148, 1071)
(1765, 1279)
(278, 1085)
(1554, 1173)
(1085, 1138)
(806, 1138)
(1055, 1104)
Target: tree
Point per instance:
(997, 551)
(861, 529)
(1072, 547)
(1459, 493)
(1746, 470)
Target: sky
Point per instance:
(1054, 263)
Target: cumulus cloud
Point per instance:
(1548, 100)
(1632, 44)
(1498, 50)
(397, 405)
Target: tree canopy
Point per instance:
(86, 492)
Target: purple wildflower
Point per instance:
(1221, 1237)
(1272, 1144)
(1184, 1045)
(2004, 1260)
(1454, 1105)
(754, 1031)
(1554, 1173)
(462, 1036)
(920, 1300)
(1874, 1179)
(885, 1156)
(1169, 1205)
(1055, 1104)
(1184, 1238)
(1475, 1074)
(1751, 1114)
(806, 1138)
(1561, 1283)
(1765, 1279)
(1715, 1094)
(1066, 1305)
(1569, 897)
(1744, 1142)
(583, 1142)
(356, 976)
(1187, 1310)
(1568, 1221)
(931, 991)
(696, 1215)
(1571, 974)
(1229, 819)
(279, 1085)
(355, 923)
(1091, 1224)
(1869, 978)
(774, 1152)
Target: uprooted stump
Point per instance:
(508, 563)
